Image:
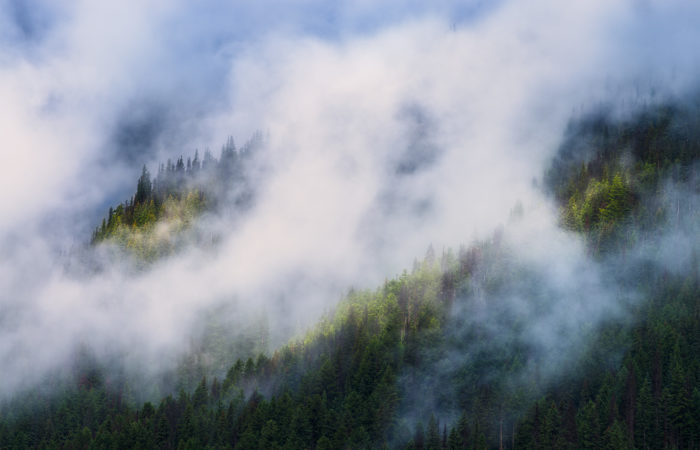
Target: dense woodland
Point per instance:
(352, 381)
(154, 222)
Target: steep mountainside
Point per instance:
(439, 357)
(158, 219)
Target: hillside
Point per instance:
(158, 219)
(439, 357)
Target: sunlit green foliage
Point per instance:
(606, 167)
(153, 223)
(154, 229)
(356, 379)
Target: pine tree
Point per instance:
(143, 187)
(588, 426)
(615, 438)
(433, 438)
(644, 416)
(679, 408)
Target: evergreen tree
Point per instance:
(143, 187)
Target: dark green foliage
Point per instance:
(337, 388)
(352, 380)
(606, 167)
(175, 197)
(646, 401)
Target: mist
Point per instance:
(388, 128)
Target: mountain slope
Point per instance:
(439, 357)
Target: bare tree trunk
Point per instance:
(501, 435)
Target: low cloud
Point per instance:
(426, 127)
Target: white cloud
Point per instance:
(380, 144)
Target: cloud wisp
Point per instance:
(423, 128)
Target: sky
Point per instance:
(391, 126)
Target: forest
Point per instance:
(360, 377)
(175, 197)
